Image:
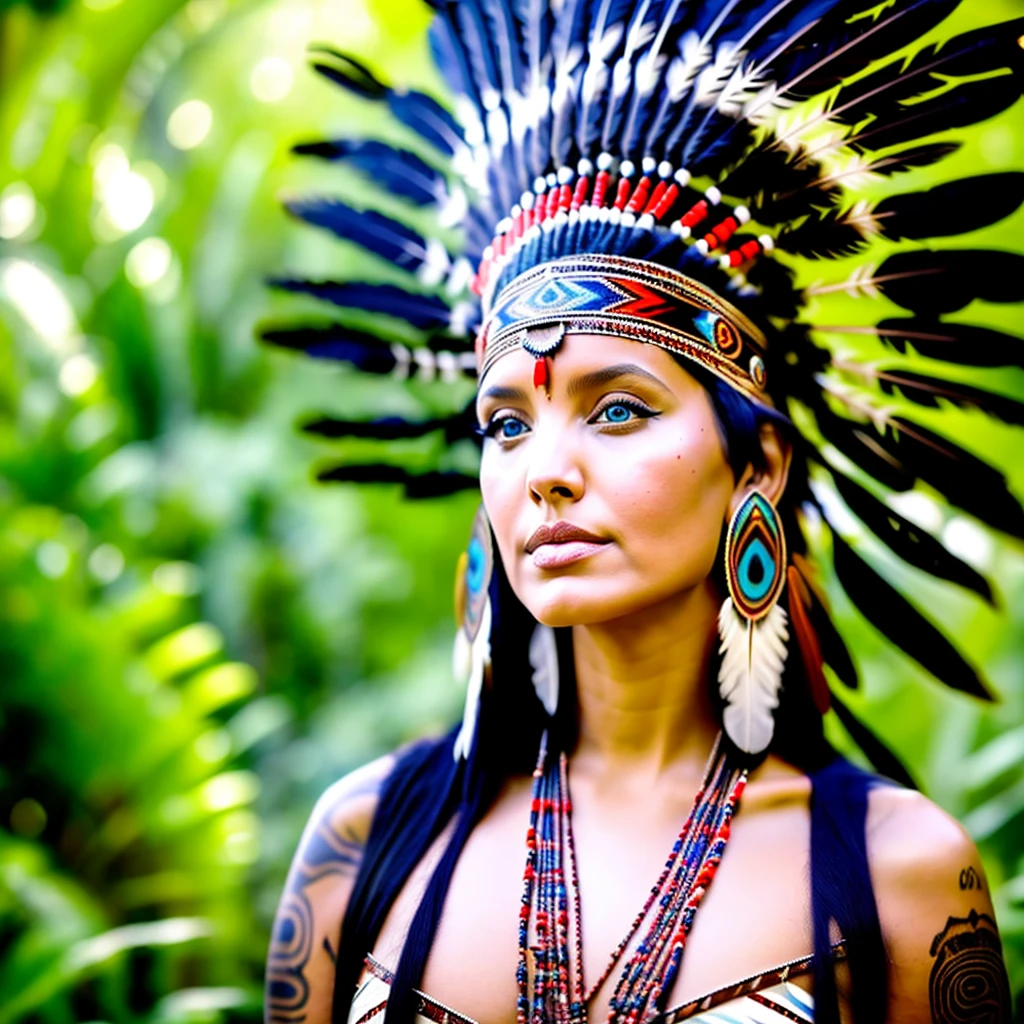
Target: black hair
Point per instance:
(427, 790)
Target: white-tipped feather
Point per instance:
(477, 657)
(685, 68)
(753, 655)
(544, 661)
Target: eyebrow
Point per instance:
(599, 378)
(505, 394)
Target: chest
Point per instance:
(755, 915)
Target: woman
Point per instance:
(640, 620)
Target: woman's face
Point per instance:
(610, 494)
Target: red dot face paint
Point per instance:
(540, 373)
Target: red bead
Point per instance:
(579, 196)
(600, 188)
(695, 215)
(640, 194)
(622, 193)
(656, 196)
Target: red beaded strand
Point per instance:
(557, 994)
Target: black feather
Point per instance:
(367, 352)
(962, 344)
(427, 312)
(416, 110)
(831, 235)
(953, 208)
(861, 444)
(909, 159)
(898, 620)
(967, 104)
(982, 51)
(394, 428)
(399, 171)
(840, 47)
(925, 390)
(373, 231)
(884, 761)
(932, 282)
(914, 545)
(906, 451)
(434, 484)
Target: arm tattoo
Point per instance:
(328, 851)
(968, 982)
(970, 879)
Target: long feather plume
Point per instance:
(753, 655)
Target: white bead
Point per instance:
(565, 175)
(628, 220)
(648, 164)
(604, 162)
(539, 184)
(627, 168)
(682, 177)
(701, 245)
(714, 195)
(584, 168)
(646, 222)
(664, 169)
(742, 214)
(767, 242)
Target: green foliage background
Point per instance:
(194, 638)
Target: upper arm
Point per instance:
(946, 962)
(300, 962)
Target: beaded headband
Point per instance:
(629, 298)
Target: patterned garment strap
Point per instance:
(630, 298)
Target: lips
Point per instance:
(560, 533)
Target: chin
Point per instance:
(578, 601)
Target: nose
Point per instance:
(554, 475)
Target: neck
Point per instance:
(642, 684)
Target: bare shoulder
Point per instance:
(936, 912)
(300, 961)
(346, 808)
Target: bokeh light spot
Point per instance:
(106, 563)
(53, 559)
(40, 301)
(189, 124)
(271, 79)
(17, 210)
(130, 203)
(179, 579)
(148, 262)
(78, 374)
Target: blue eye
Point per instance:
(622, 412)
(618, 413)
(505, 428)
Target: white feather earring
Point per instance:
(471, 657)
(753, 626)
(544, 661)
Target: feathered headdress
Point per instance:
(703, 144)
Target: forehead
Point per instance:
(582, 353)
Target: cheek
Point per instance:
(501, 491)
(670, 496)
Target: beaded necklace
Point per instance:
(546, 916)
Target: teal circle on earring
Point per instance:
(755, 557)
(477, 566)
